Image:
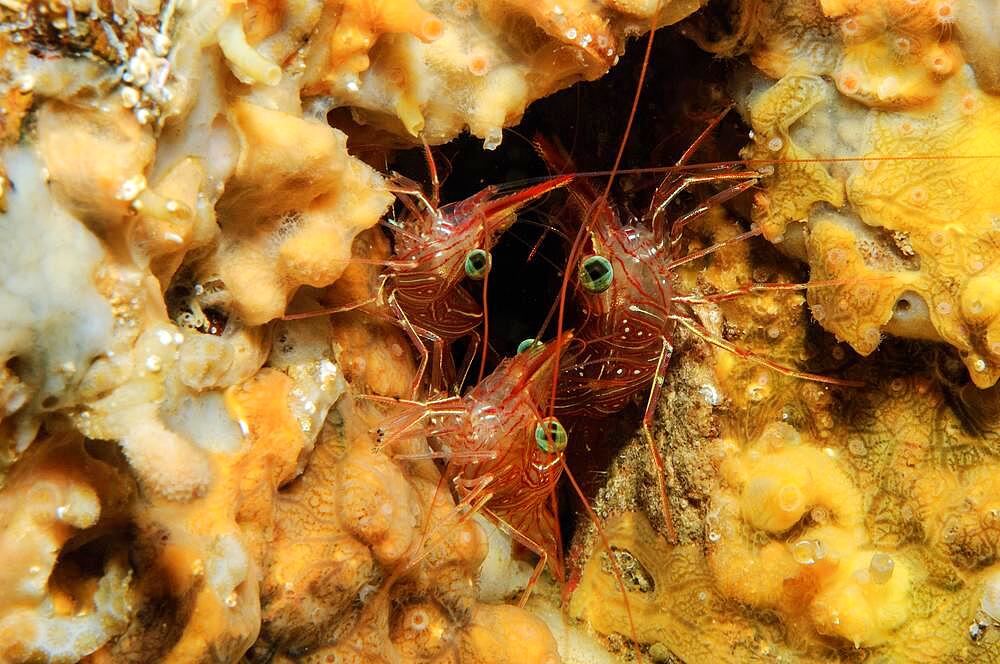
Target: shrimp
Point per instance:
(504, 457)
(451, 243)
(436, 248)
(498, 443)
(627, 305)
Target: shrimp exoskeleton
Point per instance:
(436, 249)
(502, 454)
(434, 254)
(628, 307)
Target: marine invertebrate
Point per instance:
(435, 68)
(54, 608)
(290, 210)
(503, 456)
(359, 523)
(960, 517)
(627, 320)
(907, 162)
(676, 605)
(850, 590)
(173, 189)
(877, 475)
(435, 249)
(204, 559)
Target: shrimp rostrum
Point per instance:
(503, 456)
(436, 249)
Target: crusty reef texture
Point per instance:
(890, 115)
(186, 478)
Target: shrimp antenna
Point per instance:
(486, 306)
(432, 170)
(745, 353)
(760, 165)
(584, 227)
(754, 288)
(575, 249)
(703, 136)
(606, 545)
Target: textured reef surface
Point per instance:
(270, 389)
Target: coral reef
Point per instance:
(50, 509)
(877, 123)
(441, 66)
(177, 482)
(194, 464)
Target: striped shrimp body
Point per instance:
(625, 333)
(624, 295)
(502, 454)
(436, 249)
(628, 306)
(444, 246)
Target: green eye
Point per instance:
(596, 273)
(477, 264)
(526, 344)
(551, 436)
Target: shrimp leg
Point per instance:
(432, 169)
(415, 338)
(747, 354)
(666, 351)
(330, 310)
(470, 357)
(410, 422)
(751, 289)
(465, 457)
(706, 205)
(473, 502)
(678, 186)
(532, 545)
(408, 188)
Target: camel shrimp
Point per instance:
(501, 451)
(436, 248)
(628, 307)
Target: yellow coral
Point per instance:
(782, 480)
(358, 25)
(209, 557)
(291, 210)
(671, 596)
(908, 170)
(100, 192)
(963, 516)
(53, 610)
(855, 521)
(437, 67)
(826, 567)
(503, 633)
(864, 600)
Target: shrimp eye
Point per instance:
(550, 436)
(477, 263)
(596, 273)
(526, 344)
